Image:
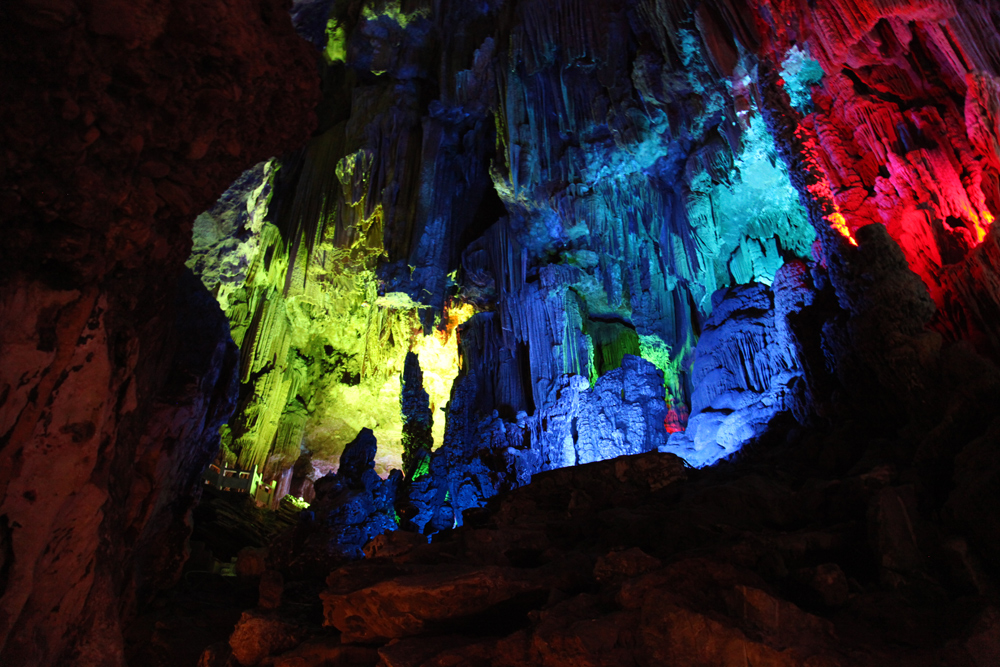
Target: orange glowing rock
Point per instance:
(839, 224)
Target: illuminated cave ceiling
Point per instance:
(586, 202)
(584, 177)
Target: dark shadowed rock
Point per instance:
(262, 633)
(126, 120)
(352, 506)
(327, 652)
(426, 602)
(272, 587)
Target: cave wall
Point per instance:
(899, 131)
(507, 158)
(120, 122)
(591, 193)
(564, 208)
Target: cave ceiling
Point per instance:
(558, 195)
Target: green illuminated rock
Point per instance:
(417, 418)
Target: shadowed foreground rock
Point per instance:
(783, 558)
(119, 122)
(352, 506)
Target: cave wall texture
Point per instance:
(565, 195)
(121, 121)
(601, 228)
(581, 205)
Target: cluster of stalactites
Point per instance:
(901, 130)
(583, 180)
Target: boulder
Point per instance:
(426, 602)
(263, 633)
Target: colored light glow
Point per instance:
(839, 223)
(440, 362)
(759, 209)
(676, 419)
(799, 73)
(394, 12)
(983, 227)
(423, 468)
(336, 43)
(658, 353)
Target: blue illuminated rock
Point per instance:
(622, 414)
(745, 372)
(352, 506)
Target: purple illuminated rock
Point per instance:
(745, 372)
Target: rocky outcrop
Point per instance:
(262, 634)
(788, 556)
(509, 575)
(120, 122)
(623, 413)
(745, 373)
(424, 601)
(351, 507)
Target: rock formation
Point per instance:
(744, 371)
(629, 175)
(526, 237)
(351, 507)
(120, 122)
(586, 200)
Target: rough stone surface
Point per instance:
(744, 373)
(619, 190)
(875, 123)
(120, 122)
(352, 506)
(421, 603)
(260, 634)
(584, 176)
(634, 561)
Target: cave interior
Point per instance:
(416, 333)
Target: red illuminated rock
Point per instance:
(260, 634)
(903, 133)
(422, 602)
